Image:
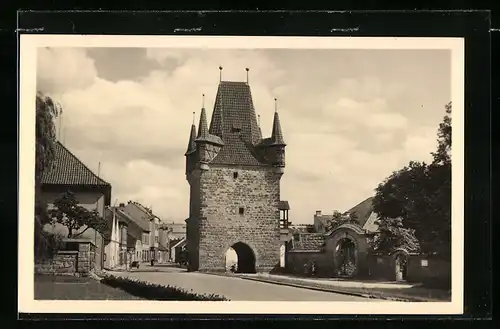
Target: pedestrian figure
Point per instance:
(313, 268)
(305, 268)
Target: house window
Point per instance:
(235, 175)
(241, 210)
(156, 239)
(380, 260)
(424, 263)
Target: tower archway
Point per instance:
(245, 258)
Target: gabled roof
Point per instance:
(67, 169)
(235, 122)
(363, 210)
(308, 242)
(370, 224)
(121, 213)
(138, 211)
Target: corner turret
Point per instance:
(272, 149)
(191, 150)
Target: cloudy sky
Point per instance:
(349, 117)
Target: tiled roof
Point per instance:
(67, 169)
(191, 144)
(308, 242)
(324, 219)
(283, 205)
(203, 134)
(235, 122)
(363, 210)
(277, 135)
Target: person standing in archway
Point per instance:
(313, 268)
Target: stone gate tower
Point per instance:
(234, 176)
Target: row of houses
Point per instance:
(135, 233)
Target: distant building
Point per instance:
(175, 230)
(131, 239)
(150, 240)
(68, 173)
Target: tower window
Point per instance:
(235, 175)
(241, 210)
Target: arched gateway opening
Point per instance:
(346, 257)
(240, 259)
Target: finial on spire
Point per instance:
(193, 117)
(275, 104)
(220, 73)
(203, 101)
(247, 69)
(258, 119)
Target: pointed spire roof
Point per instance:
(191, 144)
(277, 135)
(203, 134)
(203, 126)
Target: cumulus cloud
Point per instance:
(345, 133)
(63, 69)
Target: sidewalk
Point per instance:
(373, 289)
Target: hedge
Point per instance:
(155, 291)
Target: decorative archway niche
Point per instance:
(245, 258)
(401, 264)
(346, 256)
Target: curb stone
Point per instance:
(329, 289)
(346, 292)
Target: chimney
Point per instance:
(318, 212)
(122, 205)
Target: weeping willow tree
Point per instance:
(47, 110)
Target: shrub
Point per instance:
(48, 244)
(155, 291)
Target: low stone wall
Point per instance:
(299, 263)
(63, 263)
(424, 269)
(78, 259)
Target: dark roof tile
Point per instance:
(67, 169)
(235, 122)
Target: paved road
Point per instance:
(235, 289)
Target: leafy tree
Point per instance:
(69, 213)
(419, 194)
(392, 235)
(339, 218)
(45, 131)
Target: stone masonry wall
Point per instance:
(219, 223)
(63, 263)
(77, 261)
